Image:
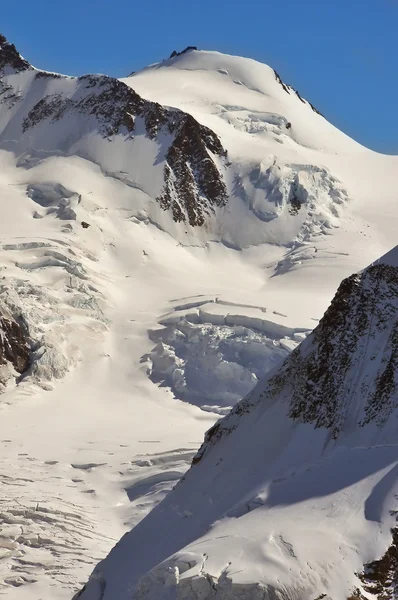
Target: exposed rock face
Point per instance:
(14, 347)
(113, 103)
(193, 183)
(10, 57)
(187, 49)
(324, 379)
(360, 327)
(110, 101)
(380, 577)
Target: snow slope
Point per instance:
(294, 186)
(105, 251)
(204, 83)
(295, 491)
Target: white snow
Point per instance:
(87, 432)
(211, 357)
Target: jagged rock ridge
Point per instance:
(187, 49)
(10, 57)
(324, 378)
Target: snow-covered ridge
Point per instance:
(191, 179)
(280, 185)
(289, 89)
(293, 494)
(54, 113)
(203, 82)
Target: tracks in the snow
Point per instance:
(56, 521)
(45, 532)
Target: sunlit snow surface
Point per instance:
(90, 440)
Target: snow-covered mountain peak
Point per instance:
(242, 71)
(221, 90)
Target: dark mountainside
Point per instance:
(324, 377)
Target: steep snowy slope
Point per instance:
(294, 178)
(138, 247)
(231, 91)
(294, 493)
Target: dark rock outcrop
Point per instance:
(281, 82)
(10, 61)
(193, 184)
(380, 577)
(10, 57)
(294, 200)
(360, 327)
(112, 103)
(46, 75)
(187, 49)
(14, 344)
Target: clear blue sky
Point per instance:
(340, 54)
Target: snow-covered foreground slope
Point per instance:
(294, 493)
(139, 247)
